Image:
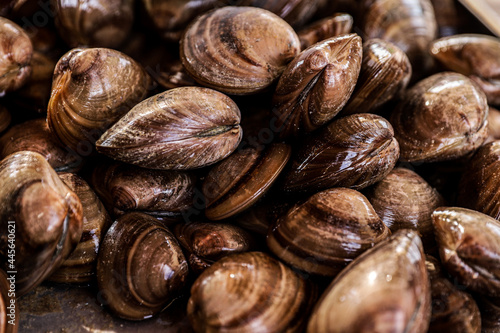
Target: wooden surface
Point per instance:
(487, 11)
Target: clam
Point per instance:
(91, 89)
(9, 318)
(408, 24)
(249, 292)
(34, 135)
(404, 200)
(469, 247)
(478, 188)
(16, 51)
(182, 128)
(325, 233)
(242, 179)
(140, 267)
(205, 243)
(238, 50)
(385, 73)
(79, 267)
(317, 84)
(453, 310)
(386, 289)
(47, 216)
(355, 151)
(335, 25)
(442, 117)
(95, 23)
(477, 56)
(163, 194)
(447, 17)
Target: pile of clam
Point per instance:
(287, 166)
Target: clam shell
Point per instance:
(238, 50)
(477, 56)
(79, 267)
(34, 135)
(140, 267)
(242, 179)
(205, 243)
(404, 200)
(386, 289)
(317, 84)
(409, 24)
(385, 73)
(442, 117)
(336, 25)
(326, 232)
(355, 151)
(47, 216)
(182, 128)
(91, 90)
(469, 247)
(260, 295)
(16, 51)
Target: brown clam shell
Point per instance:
(205, 243)
(46, 215)
(140, 267)
(386, 289)
(317, 84)
(442, 117)
(9, 311)
(469, 247)
(238, 50)
(16, 51)
(34, 135)
(477, 56)
(91, 90)
(95, 23)
(404, 200)
(409, 24)
(259, 294)
(160, 193)
(240, 180)
(452, 309)
(478, 189)
(385, 73)
(447, 17)
(355, 151)
(182, 128)
(336, 25)
(79, 267)
(326, 232)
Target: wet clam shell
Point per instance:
(355, 151)
(474, 55)
(326, 232)
(469, 247)
(16, 51)
(140, 267)
(205, 243)
(47, 215)
(317, 84)
(34, 135)
(386, 289)
(385, 73)
(404, 200)
(260, 294)
(91, 89)
(442, 117)
(79, 267)
(242, 179)
(238, 50)
(181, 128)
(336, 25)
